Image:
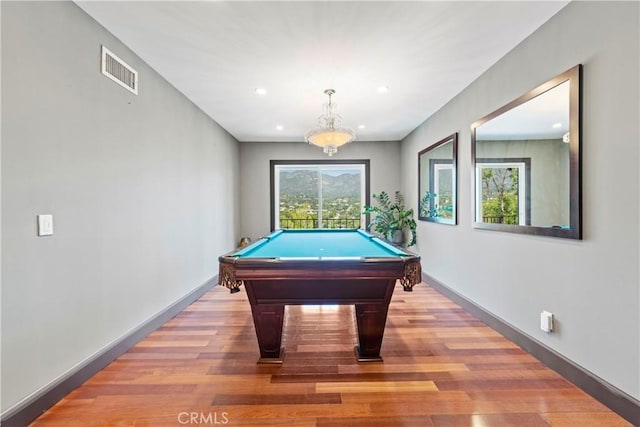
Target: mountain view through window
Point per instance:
(319, 196)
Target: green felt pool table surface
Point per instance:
(319, 244)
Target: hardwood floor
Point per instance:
(442, 367)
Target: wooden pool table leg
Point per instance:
(371, 319)
(268, 321)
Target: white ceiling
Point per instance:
(217, 54)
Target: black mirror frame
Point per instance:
(453, 138)
(574, 76)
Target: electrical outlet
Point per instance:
(546, 321)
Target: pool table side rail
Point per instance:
(234, 270)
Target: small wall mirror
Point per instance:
(526, 159)
(437, 186)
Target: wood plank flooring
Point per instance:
(442, 367)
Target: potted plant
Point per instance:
(391, 220)
(428, 208)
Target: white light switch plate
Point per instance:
(45, 225)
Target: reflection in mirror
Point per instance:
(526, 158)
(437, 186)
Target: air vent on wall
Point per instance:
(118, 71)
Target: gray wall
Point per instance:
(592, 286)
(143, 190)
(255, 220)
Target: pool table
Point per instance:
(319, 266)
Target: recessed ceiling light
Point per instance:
(361, 126)
(383, 89)
(279, 127)
(261, 91)
(557, 125)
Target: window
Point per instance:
(319, 194)
(504, 193)
(443, 188)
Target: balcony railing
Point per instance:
(326, 223)
(500, 219)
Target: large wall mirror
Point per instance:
(526, 162)
(437, 186)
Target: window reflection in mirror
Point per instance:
(437, 188)
(526, 160)
(504, 193)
